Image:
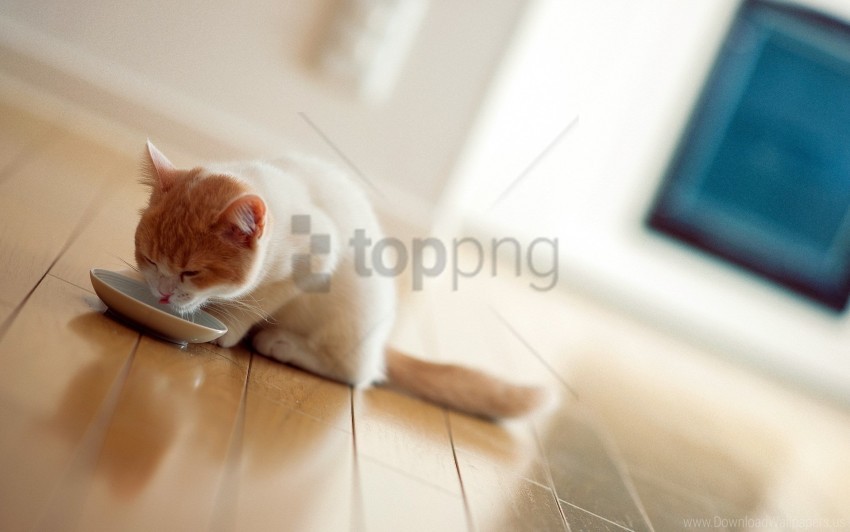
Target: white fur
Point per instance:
(340, 333)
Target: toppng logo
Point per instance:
(320, 244)
(427, 258)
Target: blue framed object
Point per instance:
(761, 176)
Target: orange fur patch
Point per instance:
(184, 229)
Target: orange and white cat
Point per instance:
(264, 248)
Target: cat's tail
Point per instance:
(465, 389)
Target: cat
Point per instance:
(263, 247)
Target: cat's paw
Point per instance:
(229, 339)
(275, 343)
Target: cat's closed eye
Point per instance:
(190, 273)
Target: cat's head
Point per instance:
(200, 235)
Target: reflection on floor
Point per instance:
(106, 429)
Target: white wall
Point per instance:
(236, 75)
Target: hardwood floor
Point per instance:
(107, 429)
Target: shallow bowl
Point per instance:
(130, 300)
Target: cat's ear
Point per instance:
(244, 219)
(160, 173)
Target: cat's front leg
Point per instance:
(290, 348)
(321, 354)
(233, 336)
(241, 315)
(237, 325)
(281, 345)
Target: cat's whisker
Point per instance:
(226, 305)
(129, 264)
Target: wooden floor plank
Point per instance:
(499, 500)
(107, 241)
(5, 312)
(584, 472)
(294, 468)
(673, 508)
(58, 362)
(42, 204)
(393, 500)
(580, 519)
(327, 401)
(512, 445)
(407, 474)
(20, 135)
(505, 480)
(161, 461)
(405, 434)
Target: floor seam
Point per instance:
(467, 510)
(549, 478)
(622, 470)
(618, 525)
(358, 510)
(87, 216)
